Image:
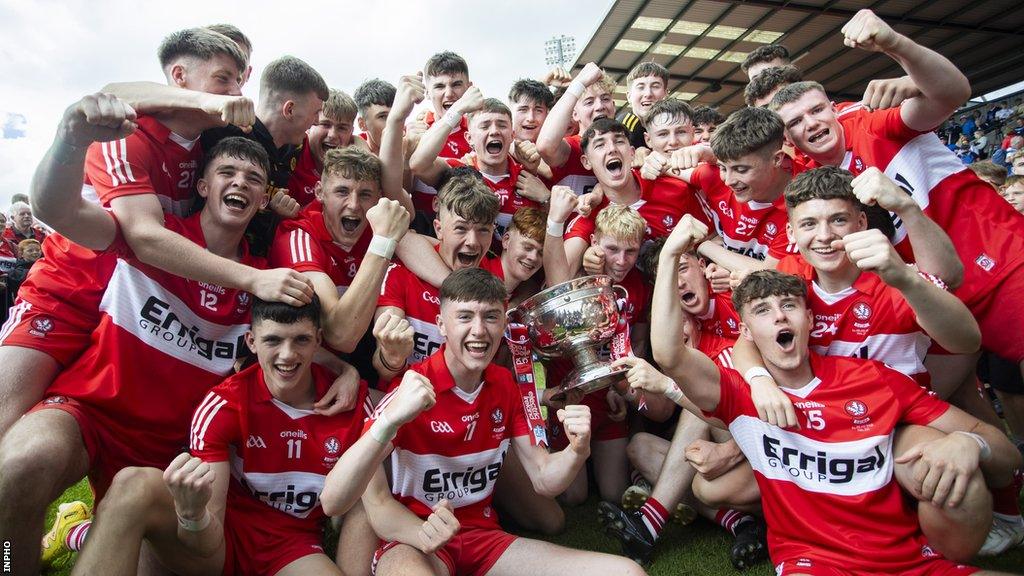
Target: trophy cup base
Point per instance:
(594, 377)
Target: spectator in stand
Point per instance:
(989, 171)
(969, 125)
(28, 252)
(979, 145)
(21, 228)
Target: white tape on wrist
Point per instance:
(755, 372)
(986, 450)
(452, 119)
(576, 88)
(382, 246)
(555, 228)
(674, 393)
(382, 430)
(195, 525)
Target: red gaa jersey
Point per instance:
(304, 244)
(754, 229)
(662, 203)
(572, 173)
(162, 343)
(151, 160)
(870, 320)
(455, 147)
(505, 187)
(987, 233)
(454, 450)
(721, 318)
(837, 470)
(279, 455)
(305, 175)
(794, 264)
(717, 348)
(421, 303)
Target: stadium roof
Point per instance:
(703, 42)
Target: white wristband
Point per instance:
(382, 430)
(755, 372)
(674, 393)
(452, 118)
(555, 228)
(382, 246)
(576, 88)
(986, 450)
(195, 525)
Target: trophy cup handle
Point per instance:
(621, 292)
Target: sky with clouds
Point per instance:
(53, 53)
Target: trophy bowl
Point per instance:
(575, 319)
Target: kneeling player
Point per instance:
(445, 462)
(838, 468)
(247, 501)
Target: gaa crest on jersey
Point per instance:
(856, 408)
(41, 326)
(771, 228)
(244, 300)
(732, 324)
(859, 412)
(497, 416)
(861, 311)
(332, 446)
(668, 221)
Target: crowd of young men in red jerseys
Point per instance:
(251, 320)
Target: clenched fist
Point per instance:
(414, 395)
(190, 481)
(388, 218)
(394, 337)
(575, 420)
(438, 528)
(869, 32)
(96, 118)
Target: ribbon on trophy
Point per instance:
(530, 378)
(621, 345)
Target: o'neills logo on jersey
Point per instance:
(152, 313)
(839, 468)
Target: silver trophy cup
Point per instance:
(575, 319)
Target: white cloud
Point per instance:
(52, 53)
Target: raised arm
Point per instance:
(142, 222)
(392, 154)
(695, 373)
(557, 267)
(56, 188)
(151, 97)
(940, 314)
(551, 141)
(350, 476)
(350, 315)
(424, 162)
(933, 248)
(552, 473)
(943, 87)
